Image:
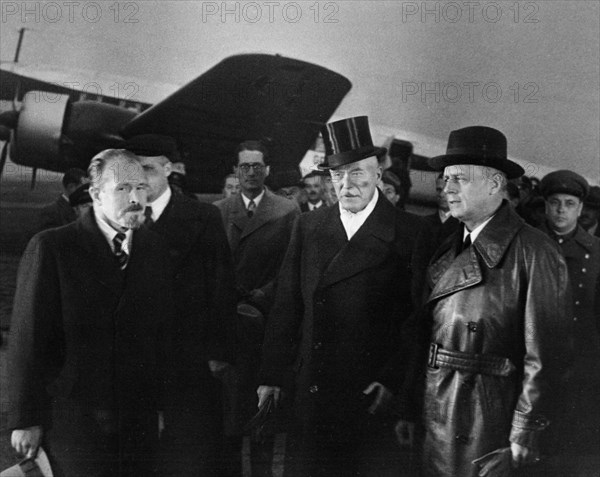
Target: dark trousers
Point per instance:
(192, 440)
(100, 443)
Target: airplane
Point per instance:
(55, 124)
(60, 119)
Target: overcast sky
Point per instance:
(530, 69)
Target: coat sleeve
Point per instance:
(36, 340)
(547, 351)
(282, 328)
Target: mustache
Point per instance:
(133, 208)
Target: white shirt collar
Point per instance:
(256, 200)
(110, 233)
(314, 206)
(476, 231)
(354, 221)
(160, 203)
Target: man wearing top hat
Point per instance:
(204, 309)
(578, 429)
(495, 321)
(590, 214)
(343, 292)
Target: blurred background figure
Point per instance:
(288, 184)
(391, 187)
(80, 199)
(512, 194)
(314, 190)
(400, 153)
(60, 211)
(591, 212)
(177, 179)
(329, 195)
(442, 223)
(231, 186)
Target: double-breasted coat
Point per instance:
(338, 312)
(86, 349)
(498, 320)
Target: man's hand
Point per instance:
(383, 397)
(523, 455)
(217, 368)
(405, 433)
(27, 441)
(265, 391)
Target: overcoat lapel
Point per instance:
(175, 226)
(102, 264)
(370, 246)
(264, 213)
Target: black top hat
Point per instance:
(152, 145)
(480, 146)
(348, 140)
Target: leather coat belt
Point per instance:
(469, 362)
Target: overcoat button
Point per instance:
(472, 326)
(318, 345)
(313, 389)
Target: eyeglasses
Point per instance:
(255, 166)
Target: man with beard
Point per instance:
(92, 304)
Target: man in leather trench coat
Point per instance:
(495, 318)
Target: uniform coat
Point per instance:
(86, 348)
(506, 296)
(337, 316)
(205, 303)
(56, 214)
(579, 427)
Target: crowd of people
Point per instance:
(154, 334)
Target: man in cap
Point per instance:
(313, 187)
(204, 310)
(288, 184)
(590, 214)
(578, 429)
(92, 306)
(495, 319)
(343, 293)
(258, 224)
(80, 199)
(60, 211)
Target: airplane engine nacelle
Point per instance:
(38, 134)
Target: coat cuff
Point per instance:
(526, 429)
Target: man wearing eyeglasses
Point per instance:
(343, 293)
(258, 224)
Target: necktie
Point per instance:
(251, 208)
(120, 254)
(148, 215)
(466, 243)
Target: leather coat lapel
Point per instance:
(368, 247)
(102, 264)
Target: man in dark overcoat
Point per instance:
(496, 319)
(205, 302)
(92, 307)
(343, 293)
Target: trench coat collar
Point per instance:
(367, 248)
(449, 273)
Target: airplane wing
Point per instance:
(281, 101)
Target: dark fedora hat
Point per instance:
(348, 140)
(480, 146)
